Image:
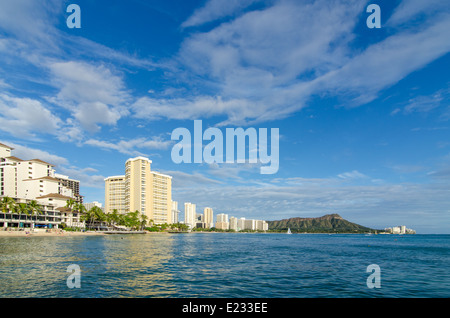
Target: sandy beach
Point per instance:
(44, 233)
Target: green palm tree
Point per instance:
(80, 208)
(22, 208)
(101, 216)
(95, 213)
(8, 205)
(70, 204)
(85, 217)
(89, 216)
(75, 206)
(121, 219)
(143, 221)
(34, 208)
(113, 218)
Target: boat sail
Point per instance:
(289, 231)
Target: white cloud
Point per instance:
(33, 24)
(425, 104)
(83, 47)
(260, 64)
(216, 9)
(272, 46)
(409, 10)
(198, 107)
(352, 175)
(35, 51)
(71, 132)
(2, 82)
(31, 21)
(92, 93)
(129, 147)
(182, 180)
(233, 171)
(24, 117)
(266, 64)
(384, 64)
(406, 169)
(27, 153)
(85, 176)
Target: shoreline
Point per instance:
(43, 233)
(63, 233)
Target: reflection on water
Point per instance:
(140, 262)
(225, 265)
(111, 266)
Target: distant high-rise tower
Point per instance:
(115, 194)
(208, 217)
(222, 221)
(189, 214)
(175, 212)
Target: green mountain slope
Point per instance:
(330, 223)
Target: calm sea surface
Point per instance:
(231, 265)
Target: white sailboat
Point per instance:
(289, 231)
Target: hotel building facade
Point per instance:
(208, 217)
(190, 214)
(140, 189)
(35, 180)
(115, 194)
(175, 212)
(223, 222)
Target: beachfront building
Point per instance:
(34, 182)
(241, 224)
(244, 224)
(208, 217)
(71, 184)
(222, 222)
(250, 225)
(200, 221)
(90, 205)
(190, 214)
(175, 212)
(254, 225)
(261, 225)
(140, 189)
(233, 223)
(399, 230)
(69, 217)
(115, 194)
(47, 215)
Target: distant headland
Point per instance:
(330, 223)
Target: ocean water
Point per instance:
(226, 265)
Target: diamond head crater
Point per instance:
(330, 223)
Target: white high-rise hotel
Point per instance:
(189, 214)
(140, 189)
(35, 180)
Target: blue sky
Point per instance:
(363, 114)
